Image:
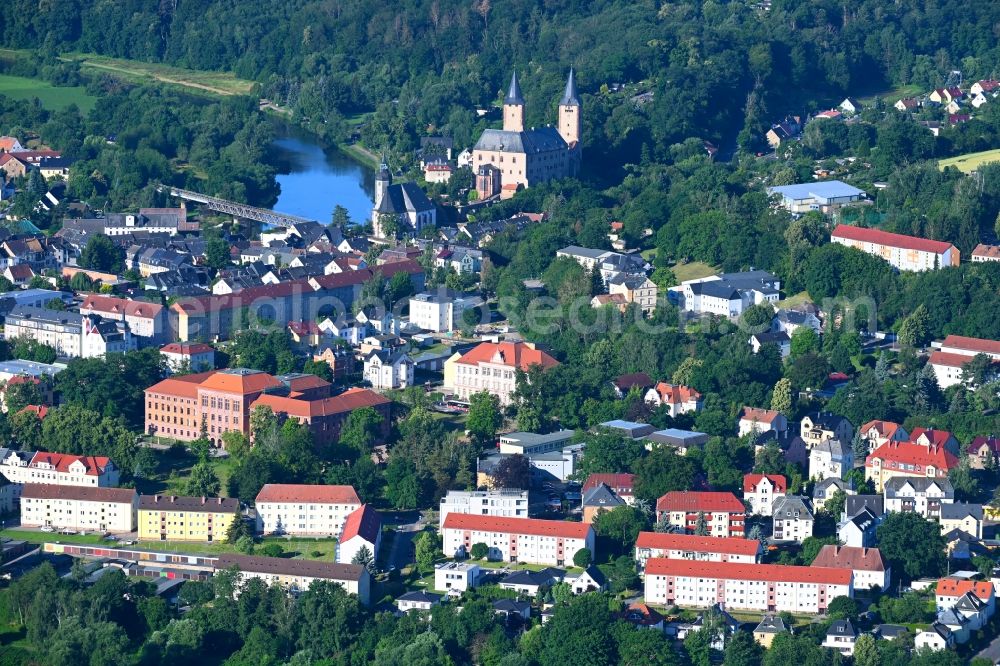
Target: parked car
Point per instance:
(46, 528)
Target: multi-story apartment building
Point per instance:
(59, 469)
(760, 490)
(869, 568)
(793, 519)
(441, 311)
(492, 367)
(297, 575)
(727, 294)
(189, 356)
(905, 253)
(506, 503)
(637, 289)
(753, 419)
(69, 333)
(691, 547)
(304, 510)
(80, 508)
(824, 426)
(908, 459)
(551, 542)
(362, 529)
(878, 433)
(915, 494)
(179, 518)
(723, 513)
(956, 351)
(739, 586)
(677, 398)
(222, 401)
(146, 321)
(984, 252)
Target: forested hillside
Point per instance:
(714, 68)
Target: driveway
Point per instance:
(409, 524)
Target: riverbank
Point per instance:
(361, 154)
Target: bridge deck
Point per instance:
(242, 211)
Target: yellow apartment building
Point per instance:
(178, 518)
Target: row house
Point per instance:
(894, 459)
(304, 510)
(905, 253)
(753, 419)
(955, 351)
(69, 333)
(296, 576)
(79, 508)
(146, 321)
(723, 513)
(692, 547)
(502, 503)
(678, 399)
(58, 469)
(767, 588)
(180, 518)
(761, 490)
(867, 564)
(550, 542)
(492, 367)
(921, 495)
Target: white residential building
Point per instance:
(506, 503)
(190, 356)
(458, 576)
(362, 529)
(493, 367)
(296, 575)
(830, 458)
(79, 508)
(442, 311)
(723, 513)
(955, 351)
(389, 369)
(917, 494)
(145, 320)
(738, 586)
(305, 510)
(760, 421)
(727, 294)
(761, 490)
(869, 568)
(906, 253)
(693, 547)
(551, 542)
(793, 520)
(678, 399)
(69, 333)
(58, 469)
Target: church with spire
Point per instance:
(517, 157)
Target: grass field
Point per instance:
(795, 299)
(692, 271)
(893, 95)
(216, 83)
(293, 547)
(51, 97)
(970, 161)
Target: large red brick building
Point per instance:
(222, 400)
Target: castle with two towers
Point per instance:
(515, 157)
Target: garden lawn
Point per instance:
(52, 98)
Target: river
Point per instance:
(314, 178)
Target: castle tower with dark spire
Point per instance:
(513, 107)
(570, 122)
(383, 179)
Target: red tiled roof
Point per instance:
(879, 237)
(41, 411)
(23, 379)
(913, 454)
(937, 437)
(200, 305)
(974, 345)
(850, 557)
(312, 494)
(950, 360)
(7, 142)
(691, 501)
(549, 528)
(640, 613)
(988, 251)
(620, 483)
(301, 328)
(777, 573)
(700, 544)
(954, 587)
(186, 348)
(243, 384)
(675, 394)
(515, 354)
(364, 522)
(884, 428)
(185, 386)
(20, 271)
(759, 415)
(84, 493)
(61, 462)
(112, 305)
(750, 482)
(992, 442)
(988, 85)
(348, 401)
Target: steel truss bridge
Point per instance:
(238, 210)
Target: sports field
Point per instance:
(971, 161)
(51, 97)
